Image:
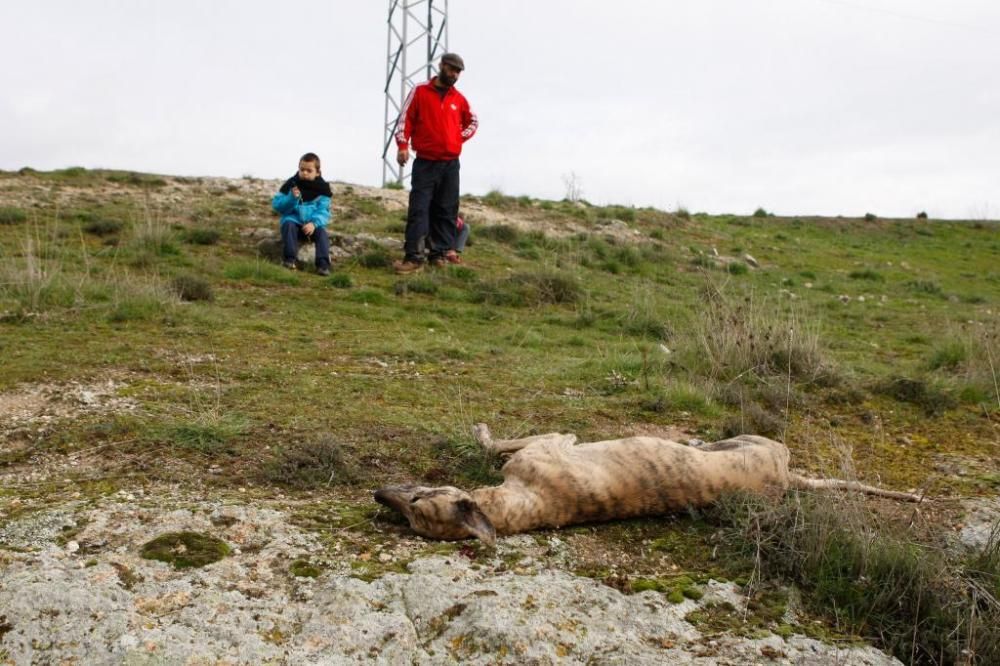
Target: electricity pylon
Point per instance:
(418, 37)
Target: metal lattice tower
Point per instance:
(418, 37)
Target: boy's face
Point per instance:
(308, 170)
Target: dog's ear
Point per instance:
(476, 522)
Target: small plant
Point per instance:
(368, 297)
(529, 289)
(417, 285)
(11, 215)
(208, 434)
(340, 281)
(737, 268)
(683, 213)
(102, 227)
(873, 575)
(574, 187)
(377, 257)
(193, 288)
(394, 185)
(949, 356)
(929, 287)
(259, 272)
(202, 236)
(928, 396)
(498, 199)
(866, 274)
(754, 419)
(502, 233)
(310, 464)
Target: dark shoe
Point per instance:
(407, 266)
(289, 265)
(323, 271)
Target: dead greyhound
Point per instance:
(550, 482)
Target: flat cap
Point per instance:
(454, 60)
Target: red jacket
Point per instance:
(438, 126)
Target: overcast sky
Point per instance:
(799, 106)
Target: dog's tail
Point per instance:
(804, 483)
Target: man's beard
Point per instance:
(446, 80)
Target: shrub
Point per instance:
(340, 281)
(368, 297)
(922, 215)
(310, 464)
(683, 213)
(681, 397)
(754, 419)
(207, 434)
(502, 233)
(737, 268)
(866, 274)
(929, 397)
(870, 217)
(259, 272)
(377, 257)
(737, 338)
(760, 212)
(102, 226)
(192, 288)
(153, 236)
(202, 236)
(11, 215)
(417, 285)
(950, 356)
(498, 199)
(528, 289)
(875, 577)
(924, 287)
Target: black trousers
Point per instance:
(433, 208)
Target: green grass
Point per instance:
(293, 383)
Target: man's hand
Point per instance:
(308, 228)
(403, 156)
(296, 193)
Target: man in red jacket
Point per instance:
(437, 120)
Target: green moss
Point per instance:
(185, 550)
(303, 568)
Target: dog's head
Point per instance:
(439, 513)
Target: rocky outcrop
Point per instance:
(77, 590)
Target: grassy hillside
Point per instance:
(869, 346)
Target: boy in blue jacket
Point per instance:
(304, 204)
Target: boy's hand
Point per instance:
(403, 156)
(296, 193)
(308, 228)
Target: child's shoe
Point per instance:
(290, 265)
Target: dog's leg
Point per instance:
(804, 483)
(510, 446)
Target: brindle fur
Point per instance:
(550, 481)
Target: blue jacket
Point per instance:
(300, 212)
